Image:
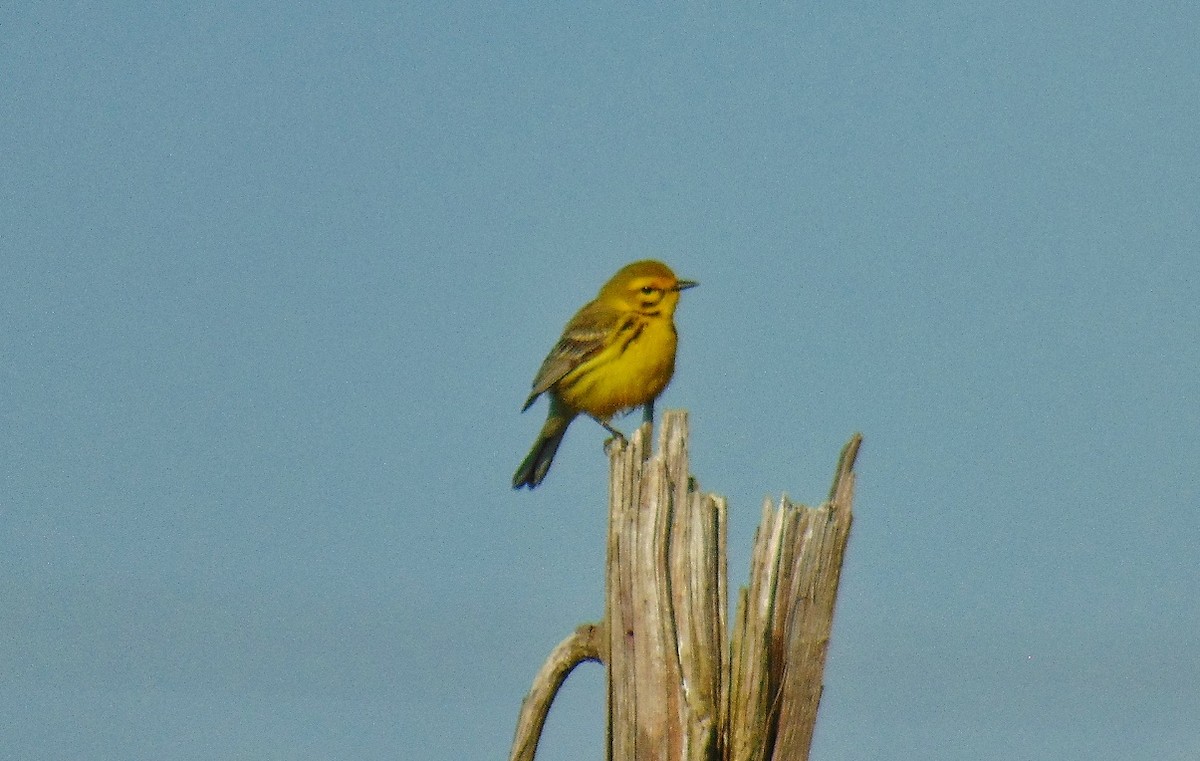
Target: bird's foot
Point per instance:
(617, 439)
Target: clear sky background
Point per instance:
(275, 278)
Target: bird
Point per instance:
(617, 353)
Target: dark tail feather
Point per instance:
(537, 463)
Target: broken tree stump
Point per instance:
(681, 686)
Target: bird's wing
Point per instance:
(584, 336)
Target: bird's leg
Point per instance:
(648, 412)
(616, 435)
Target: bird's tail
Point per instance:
(537, 462)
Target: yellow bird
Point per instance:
(616, 353)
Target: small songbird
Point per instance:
(616, 353)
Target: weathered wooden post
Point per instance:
(679, 688)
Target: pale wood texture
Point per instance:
(783, 624)
(679, 687)
(581, 645)
(666, 603)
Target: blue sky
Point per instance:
(277, 278)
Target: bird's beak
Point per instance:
(683, 285)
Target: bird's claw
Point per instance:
(614, 439)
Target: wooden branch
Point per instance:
(666, 604)
(679, 687)
(813, 585)
(581, 645)
(784, 620)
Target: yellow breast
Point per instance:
(631, 370)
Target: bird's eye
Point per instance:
(647, 289)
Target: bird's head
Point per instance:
(648, 287)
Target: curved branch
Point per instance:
(581, 645)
